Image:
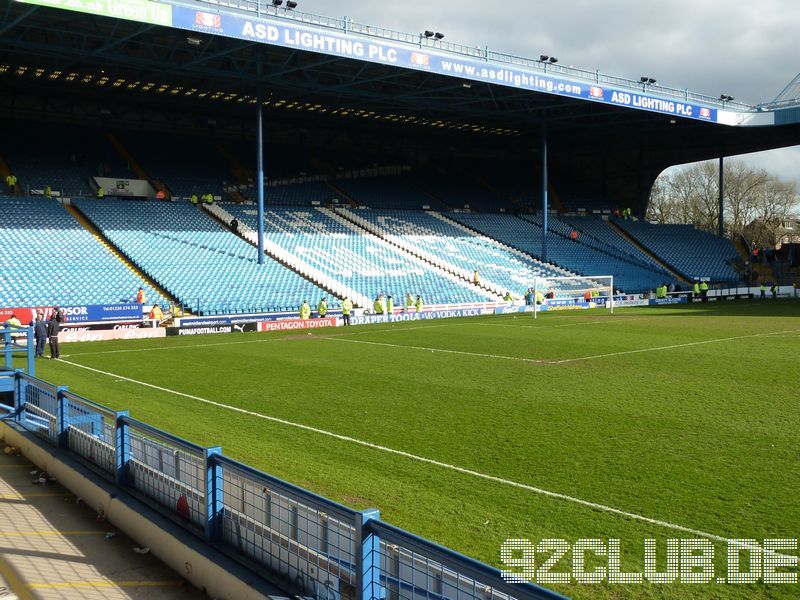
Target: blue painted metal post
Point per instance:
(721, 196)
(213, 491)
(31, 353)
(62, 418)
(19, 389)
(368, 558)
(123, 442)
(7, 345)
(260, 165)
(544, 186)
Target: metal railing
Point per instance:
(264, 8)
(306, 544)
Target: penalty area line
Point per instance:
(417, 458)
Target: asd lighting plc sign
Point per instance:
(144, 11)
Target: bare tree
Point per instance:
(755, 202)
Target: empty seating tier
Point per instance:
(211, 270)
(47, 258)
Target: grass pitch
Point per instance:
(687, 416)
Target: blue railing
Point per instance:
(306, 544)
(17, 340)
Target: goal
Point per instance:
(595, 291)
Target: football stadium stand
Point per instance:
(388, 192)
(209, 269)
(455, 248)
(48, 258)
(185, 165)
(525, 234)
(693, 253)
(356, 259)
(310, 193)
(460, 193)
(62, 158)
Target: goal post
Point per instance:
(597, 290)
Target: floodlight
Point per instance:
(439, 35)
(291, 4)
(543, 58)
(277, 2)
(553, 60)
(428, 33)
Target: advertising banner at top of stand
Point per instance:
(143, 11)
(425, 58)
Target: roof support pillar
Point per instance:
(260, 163)
(721, 196)
(544, 184)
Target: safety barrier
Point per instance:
(306, 544)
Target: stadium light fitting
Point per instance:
(552, 60)
(277, 2)
(643, 79)
(290, 4)
(428, 33)
(543, 58)
(439, 35)
(726, 98)
(651, 81)
(193, 41)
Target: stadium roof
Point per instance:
(619, 131)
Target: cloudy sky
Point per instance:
(748, 50)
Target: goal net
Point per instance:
(566, 293)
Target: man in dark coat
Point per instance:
(40, 334)
(53, 328)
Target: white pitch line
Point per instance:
(441, 350)
(259, 341)
(422, 459)
(685, 345)
(567, 360)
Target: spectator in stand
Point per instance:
(616, 212)
(48, 193)
(574, 235)
(475, 279)
(347, 307)
(160, 195)
(11, 182)
(235, 225)
(53, 328)
(194, 199)
(140, 297)
(101, 193)
(40, 333)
